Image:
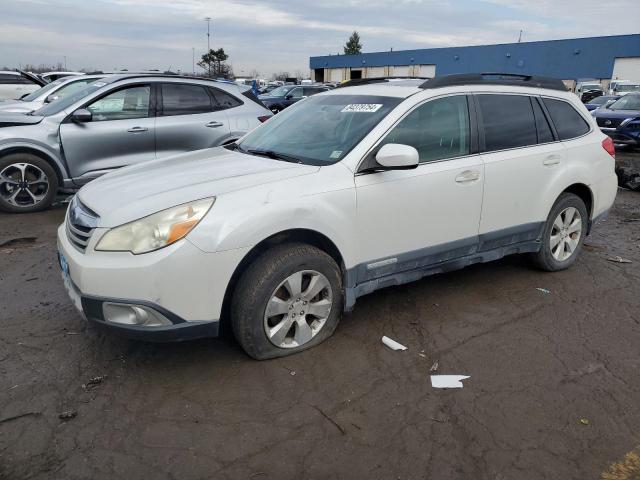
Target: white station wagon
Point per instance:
(344, 193)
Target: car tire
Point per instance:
(28, 183)
(268, 315)
(563, 235)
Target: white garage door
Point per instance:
(427, 71)
(373, 72)
(335, 75)
(400, 71)
(627, 69)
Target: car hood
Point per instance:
(608, 113)
(140, 190)
(9, 119)
(15, 106)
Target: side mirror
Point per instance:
(81, 115)
(395, 156)
(288, 97)
(51, 98)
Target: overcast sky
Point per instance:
(277, 35)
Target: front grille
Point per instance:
(609, 122)
(81, 222)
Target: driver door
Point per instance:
(408, 219)
(121, 132)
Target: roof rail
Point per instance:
(365, 81)
(511, 79)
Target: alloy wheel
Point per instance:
(23, 184)
(298, 309)
(565, 234)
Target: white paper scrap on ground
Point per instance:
(447, 381)
(392, 344)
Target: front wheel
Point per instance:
(563, 234)
(27, 183)
(288, 300)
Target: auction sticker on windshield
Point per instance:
(362, 107)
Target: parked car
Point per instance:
(582, 87)
(622, 87)
(14, 85)
(52, 76)
(589, 95)
(601, 101)
(51, 92)
(117, 121)
(350, 191)
(621, 120)
(285, 96)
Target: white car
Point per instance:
(14, 85)
(347, 192)
(52, 76)
(51, 92)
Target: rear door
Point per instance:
(189, 118)
(522, 158)
(120, 133)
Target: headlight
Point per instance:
(157, 230)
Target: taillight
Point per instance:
(607, 144)
(264, 118)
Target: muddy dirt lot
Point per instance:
(554, 391)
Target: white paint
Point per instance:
(448, 381)
(392, 344)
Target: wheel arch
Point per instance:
(585, 193)
(300, 235)
(40, 154)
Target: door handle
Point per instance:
(552, 160)
(468, 176)
(213, 124)
(138, 130)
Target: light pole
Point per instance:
(208, 20)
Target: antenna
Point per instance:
(520, 37)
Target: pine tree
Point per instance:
(353, 46)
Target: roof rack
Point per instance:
(365, 81)
(511, 79)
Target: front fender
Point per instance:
(38, 148)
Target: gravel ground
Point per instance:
(553, 394)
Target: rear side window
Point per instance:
(7, 79)
(508, 121)
(184, 99)
(542, 125)
(224, 100)
(569, 123)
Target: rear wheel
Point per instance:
(564, 234)
(288, 300)
(27, 183)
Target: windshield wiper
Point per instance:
(274, 155)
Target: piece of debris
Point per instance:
(93, 382)
(544, 290)
(392, 344)
(68, 415)
(330, 419)
(439, 420)
(618, 259)
(434, 367)
(584, 421)
(448, 381)
(422, 355)
(15, 417)
(18, 242)
(31, 279)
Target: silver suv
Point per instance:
(120, 120)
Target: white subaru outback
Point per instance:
(344, 193)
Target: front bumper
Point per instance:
(620, 137)
(180, 283)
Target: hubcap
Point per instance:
(298, 309)
(565, 234)
(23, 184)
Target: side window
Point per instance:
(508, 121)
(132, 102)
(180, 99)
(308, 91)
(13, 80)
(569, 123)
(438, 129)
(542, 125)
(224, 100)
(296, 93)
(72, 87)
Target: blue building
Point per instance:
(602, 58)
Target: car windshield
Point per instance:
(599, 100)
(591, 86)
(320, 130)
(66, 102)
(280, 91)
(47, 88)
(628, 87)
(628, 102)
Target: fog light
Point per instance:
(138, 315)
